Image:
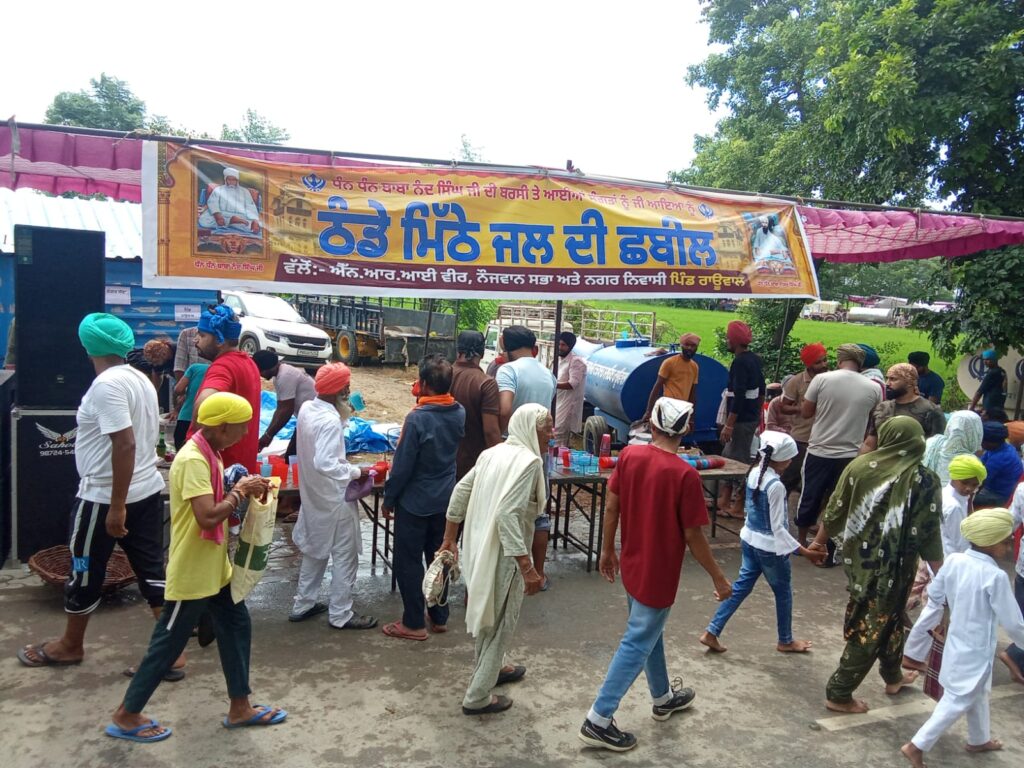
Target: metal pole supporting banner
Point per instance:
(782, 342)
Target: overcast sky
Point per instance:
(530, 83)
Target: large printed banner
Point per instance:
(215, 220)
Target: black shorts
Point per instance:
(91, 547)
(819, 477)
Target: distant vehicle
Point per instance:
(539, 318)
(872, 315)
(378, 330)
(827, 311)
(270, 322)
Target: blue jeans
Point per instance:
(776, 571)
(642, 647)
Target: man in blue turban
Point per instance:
(992, 390)
(231, 371)
(1002, 462)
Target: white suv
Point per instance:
(270, 322)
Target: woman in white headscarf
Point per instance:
(962, 435)
(499, 500)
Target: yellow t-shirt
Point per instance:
(196, 567)
(680, 375)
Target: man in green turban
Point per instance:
(118, 500)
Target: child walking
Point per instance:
(766, 545)
(978, 594)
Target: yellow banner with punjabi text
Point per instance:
(214, 220)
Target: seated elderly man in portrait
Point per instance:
(231, 206)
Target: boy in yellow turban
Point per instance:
(199, 574)
(966, 474)
(979, 598)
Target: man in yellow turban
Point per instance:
(978, 594)
(966, 473)
(199, 574)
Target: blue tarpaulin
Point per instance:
(268, 404)
(360, 436)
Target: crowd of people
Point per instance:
(916, 508)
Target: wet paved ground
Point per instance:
(362, 699)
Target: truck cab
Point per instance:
(539, 319)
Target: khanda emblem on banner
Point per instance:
(313, 183)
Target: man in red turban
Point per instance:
(815, 360)
(743, 415)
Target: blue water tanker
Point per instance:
(620, 379)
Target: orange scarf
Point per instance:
(435, 400)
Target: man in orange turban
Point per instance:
(328, 526)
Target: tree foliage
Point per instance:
(109, 103)
(255, 129)
(867, 100)
(988, 311)
(878, 101)
(913, 279)
(770, 323)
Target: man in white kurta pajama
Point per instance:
(328, 526)
(231, 206)
(967, 474)
(979, 598)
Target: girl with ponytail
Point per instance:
(766, 545)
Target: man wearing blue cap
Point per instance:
(992, 391)
(231, 371)
(118, 499)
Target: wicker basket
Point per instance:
(53, 566)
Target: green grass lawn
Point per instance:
(704, 322)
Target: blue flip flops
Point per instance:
(261, 711)
(132, 734)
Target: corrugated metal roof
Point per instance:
(122, 222)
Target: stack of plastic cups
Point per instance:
(293, 466)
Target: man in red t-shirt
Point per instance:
(231, 371)
(661, 502)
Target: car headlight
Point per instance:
(272, 336)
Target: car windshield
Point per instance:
(271, 308)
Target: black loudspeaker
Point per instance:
(43, 478)
(59, 277)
